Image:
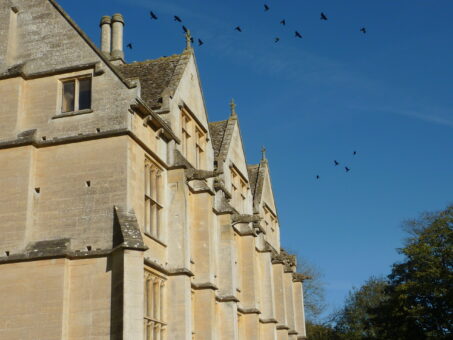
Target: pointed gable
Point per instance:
(261, 186)
(48, 40)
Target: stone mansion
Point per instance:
(124, 213)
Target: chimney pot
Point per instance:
(106, 35)
(117, 36)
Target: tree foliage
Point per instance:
(416, 300)
(353, 320)
(420, 304)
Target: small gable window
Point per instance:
(76, 94)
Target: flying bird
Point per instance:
(277, 39)
(176, 18)
(317, 177)
(184, 28)
(266, 7)
(200, 42)
(336, 163)
(347, 169)
(153, 15)
(354, 153)
(323, 16)
(238, 28)
(298, 35)
(363, 30)
(283, 22)
(129, 46)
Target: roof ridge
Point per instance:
(153, 60)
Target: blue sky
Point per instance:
(386, 94)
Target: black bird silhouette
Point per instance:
(153, 15)
(178, 19)
(237, 28)
(354, 153)
(347, 169)
(277, 39)
(363, 30)
(184, 28)
(129, 46)
(317, 177)
(200, 42)
(191, 40)
(298, 35)
(336, 163)
(323, 16)
(283, 22)
(266, 7)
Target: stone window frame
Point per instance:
(193, 148)
(199, 148)
(270, 221)
(76, 78)
(153, 200)
(154, 301)
(239, 188)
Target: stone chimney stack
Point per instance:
(106, 35)
(117, 37)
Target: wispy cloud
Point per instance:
(435, 116)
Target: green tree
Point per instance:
(420, 304)
(352, 321)
(321, 331)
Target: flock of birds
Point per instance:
(337, 163)
(238, 29)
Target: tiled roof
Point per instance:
(217, 131)
(156, 76)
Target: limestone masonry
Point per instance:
(124, 213)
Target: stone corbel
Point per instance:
(245, 218)
(147, 120)
(298, 277)
(98, 69)
(159, 133)
(196, 174)
(220, 185)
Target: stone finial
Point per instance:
(233, 108)
(263, 154)
(188, 40)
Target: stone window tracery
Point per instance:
(154, 307)
(153, 200)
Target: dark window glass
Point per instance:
(68, 96)
(84, 93)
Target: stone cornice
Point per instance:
(249, 310)
(271, 320)
(228, 298)
(204, 285)
(168, 271)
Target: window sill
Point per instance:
(156, 239)
(72, 113)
